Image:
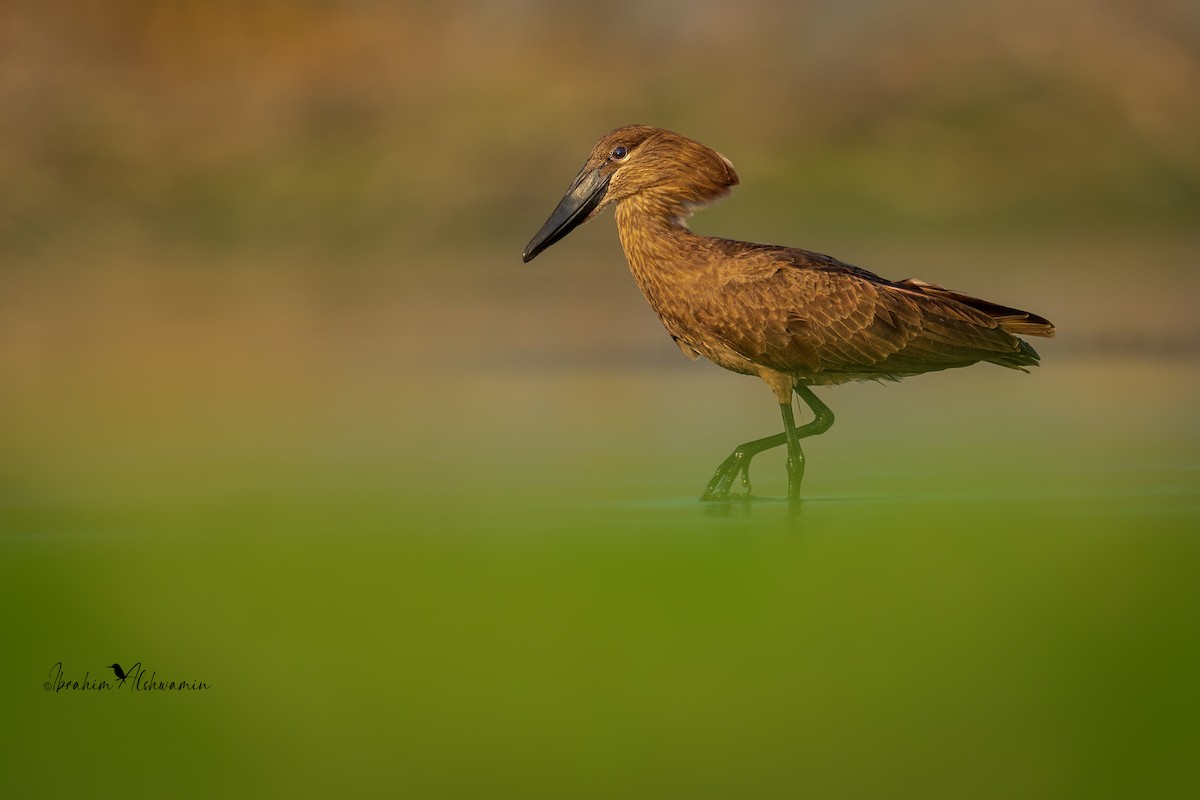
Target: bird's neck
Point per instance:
(666, 259)
(657, 242)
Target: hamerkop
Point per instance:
(792, 317)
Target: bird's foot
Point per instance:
(744, 479)
(722, 480)
(734, 470)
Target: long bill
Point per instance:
(582, 198)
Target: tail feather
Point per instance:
(1012, 320)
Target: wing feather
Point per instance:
(811, 315)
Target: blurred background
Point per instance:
(282, 410)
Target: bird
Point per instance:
(116, 668)
(792, 317)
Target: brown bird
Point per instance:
(792, 317)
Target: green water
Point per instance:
(397, 586)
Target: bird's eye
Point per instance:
(619, 152)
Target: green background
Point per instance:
(282, 411)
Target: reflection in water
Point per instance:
(751, 507)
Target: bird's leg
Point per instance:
(822, 421)
(795, 459)
(822, 416)
(738, 463)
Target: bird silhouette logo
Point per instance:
(120, 673)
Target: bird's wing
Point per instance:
(795, 313)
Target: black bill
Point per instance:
(581, 199)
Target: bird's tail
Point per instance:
(1012, 320)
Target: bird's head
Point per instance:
(671, 171)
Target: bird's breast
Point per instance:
(680, 274)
